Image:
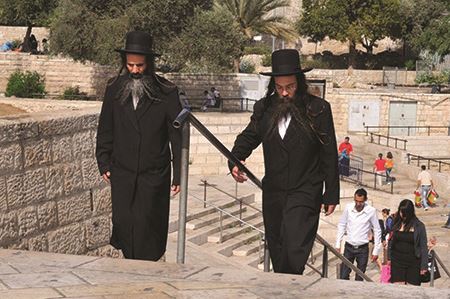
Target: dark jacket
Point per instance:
(297, 162)
(420, 244)
(134, 146)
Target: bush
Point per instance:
(259, 50)
(410, 64)
(246, 67)
(74, 93)
(267, 60)
(26, 85)
(430, 78)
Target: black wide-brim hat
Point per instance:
(285, 62)
(138, 42)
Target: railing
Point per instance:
(184, 119)
(409, 128)
(428, 161)
(355, 175)
(389, 143)
(223, 104)
(435, 258)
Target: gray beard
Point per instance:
(143, 87)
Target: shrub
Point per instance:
(26, 85)
(74, 93)
(267, 60)
(259, 50)
(410, 64)
(246, 67)
(439, 78)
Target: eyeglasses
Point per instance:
(288, 88)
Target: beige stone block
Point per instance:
(97, 232)
(47, 215)
(73, 179)
(34, 186)
(69, 240)
(91, 176)
(62, 149)
(14, 189)
(54, 181)
(38, 243)
(37, 152)
(3, 203)
(202, 149)
(27, 221)
(9, 230)
(82, 145)
(35, 293)
(17, 131)
(74, 208)
(10, 158)
(102, 200)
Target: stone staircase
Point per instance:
(241, 245)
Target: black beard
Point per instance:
(140, 86)
(294, 107)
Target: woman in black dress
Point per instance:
(407, 250)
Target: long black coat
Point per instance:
(296, 168)
(134, 146)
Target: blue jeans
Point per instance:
(361, 255)
(424, 193)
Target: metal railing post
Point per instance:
(325, 262)
(221, 226)
(181, 243)
(205, 184)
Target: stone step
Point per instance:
(232, 232)
(201, 236)
(248, 249)
(226, 248)
(213, 218)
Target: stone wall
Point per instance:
(51, 195)
(432, 109)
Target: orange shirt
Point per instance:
(347, 146)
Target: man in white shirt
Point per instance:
(357, 221)
(425, 183)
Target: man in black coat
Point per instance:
(300, 155)
(133, 151)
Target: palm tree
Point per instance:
(258, 16)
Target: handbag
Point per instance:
(385, 273)
(427, 276)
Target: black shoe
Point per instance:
(446, 226)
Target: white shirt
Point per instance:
(357, 226)
(135, 101)
(283, 124)
(424, 177)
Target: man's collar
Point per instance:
(364, 210)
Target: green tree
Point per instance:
(28, 13)
(258, 16)
(355, 21)
(210, 42)
(90, 30)
(416, 15)
(436, 36)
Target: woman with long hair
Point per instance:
(407, 250)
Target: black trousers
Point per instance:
(290, 234)
(361, 254)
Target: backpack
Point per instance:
(389, 224)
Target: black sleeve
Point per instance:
(173, 109)
(104, 147)
(250, 138)
(329, 159)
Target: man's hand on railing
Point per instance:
(238, 175)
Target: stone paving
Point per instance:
(47, 275)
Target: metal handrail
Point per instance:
(407, 127)
(396, 140)
(358, 181)
(429, 160)
(205, 182)
(184, 118)
(435, 257)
